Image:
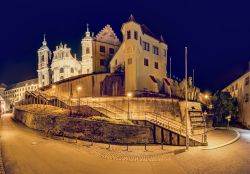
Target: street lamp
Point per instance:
(79, 88)
(129, 95)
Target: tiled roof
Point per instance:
(21, 84)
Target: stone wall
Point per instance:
(87, 130)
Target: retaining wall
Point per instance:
(98, 131)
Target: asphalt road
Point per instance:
(26, 151)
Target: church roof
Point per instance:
(21, 84)
(2, 85)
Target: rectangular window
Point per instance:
(102, 62)
(136, 35)
(111, 51)
(128, 34)
(115, 61)
(130, 61)
(246, 80)
(164, 52)
(156, 65)
(246, 97)
(146, 62)
(102, 49)
(155, 50)
(146, 46)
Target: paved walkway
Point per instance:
(221, 137)
(2, 171)
(28, 151)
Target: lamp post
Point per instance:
(129, 95)
(186, 100)
(79, 88)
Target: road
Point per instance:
(26, 151)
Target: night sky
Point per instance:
(217, 33)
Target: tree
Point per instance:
(225, 105)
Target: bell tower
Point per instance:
(87, 53)
(44, 57)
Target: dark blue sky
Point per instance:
(217, 33)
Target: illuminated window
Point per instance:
(130, 61)
(128, 34)
(136, 35)
(146, 46)
(155, 50)
(156, 65)
(146, 62)
(61, 77)
(102, 49)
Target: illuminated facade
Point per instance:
(16, 92)
(143, 58)
(240, 89)
(96, 54)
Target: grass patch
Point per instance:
(110, 120)
(44, 110)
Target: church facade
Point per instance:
(96, 54)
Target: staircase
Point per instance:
(102, 109)
(198, 124)
(154, 118)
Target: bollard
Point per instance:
(162, 146)
(63, 136)
(108, 147)
(76, 139)
(127, 147)
(92, 142)
(145, 146)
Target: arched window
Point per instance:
(61, 78)
(42, 59)
(61, 70)
(87, 50)
(72, 70)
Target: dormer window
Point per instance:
(128, 34)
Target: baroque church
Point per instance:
(97, 52)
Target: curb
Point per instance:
(227, 143)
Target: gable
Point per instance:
(107, 35)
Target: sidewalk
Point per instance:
(2, 171)
(221, 137)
